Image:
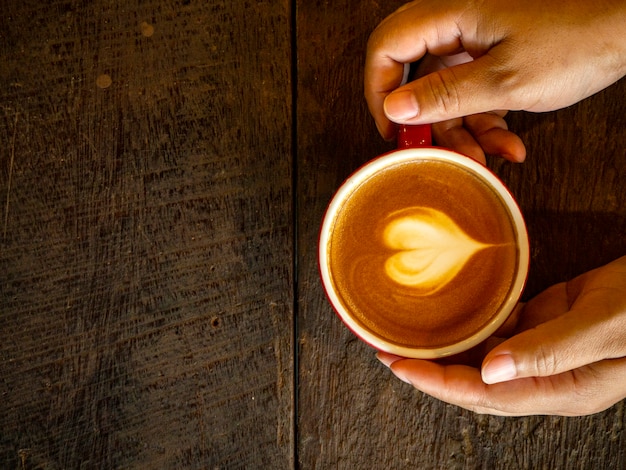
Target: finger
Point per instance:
(465, 89)
(593, 330)
(387, 358)
(480, 134)
(550, 304)
(387, 78)
(492, 133)
(474, 357)
(572, 324)
(405, 37)
(453, 135)
(588, 390)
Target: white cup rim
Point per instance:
(405, 156)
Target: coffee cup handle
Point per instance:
(414, 136)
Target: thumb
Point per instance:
(575, 339)
(461, 90)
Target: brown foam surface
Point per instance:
(417, 316)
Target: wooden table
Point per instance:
(164, 166)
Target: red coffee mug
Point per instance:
(414, 147)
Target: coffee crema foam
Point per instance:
(423, 254)
(431, 248)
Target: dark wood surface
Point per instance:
(164, 167)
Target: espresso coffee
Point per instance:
(423, 254)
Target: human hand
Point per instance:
(531, 55)
(567, 355)
(478, 134)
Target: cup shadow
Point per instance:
(566, 244)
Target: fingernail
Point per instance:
(387, 358)
(401, 105)
(400, 375)
(499, 369)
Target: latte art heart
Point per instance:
(431, 249)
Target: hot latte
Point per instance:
(421, 254)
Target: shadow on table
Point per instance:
(566, 244)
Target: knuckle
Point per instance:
(545, 361)
(380, 39)
(373, 42)
(444, 91)
(518, 86)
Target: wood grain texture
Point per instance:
(147, 256)
(353, 412)
(145, 246)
